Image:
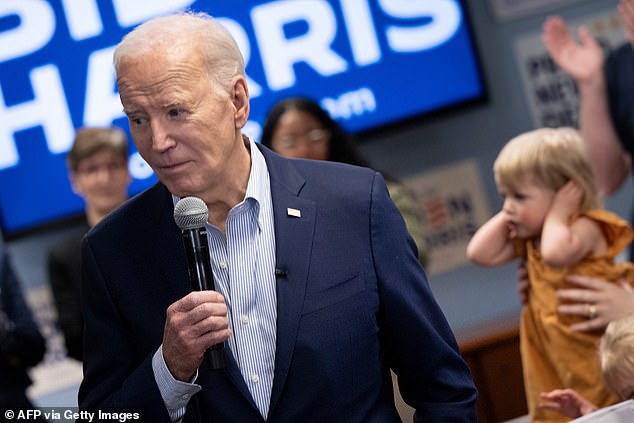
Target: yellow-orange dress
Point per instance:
(553, 357)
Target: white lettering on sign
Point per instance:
(130, 13)
(139, 169)
(363, 39)
(351, 103)
(103, 105)
(445, 20)
(83, 18)
(279, 53)
(37, 26)
(48, 109)
(314, 47)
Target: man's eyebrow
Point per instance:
(172, 104)
(128, 111)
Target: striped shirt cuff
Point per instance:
(175, 394)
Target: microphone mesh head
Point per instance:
(190, 213)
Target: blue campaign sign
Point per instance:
(368, 62)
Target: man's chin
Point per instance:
(176, 186)
(179, 190)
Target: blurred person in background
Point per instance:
(21, 343)
(606, 94)
(98, 172)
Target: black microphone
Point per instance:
(191, 214)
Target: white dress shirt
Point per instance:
(243, 266)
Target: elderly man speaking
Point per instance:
(319, 292)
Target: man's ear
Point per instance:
(240, 100)
(73, 183)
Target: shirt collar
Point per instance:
(258, 185)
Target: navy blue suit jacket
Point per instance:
(354, 303)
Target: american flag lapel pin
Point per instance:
(293, 212)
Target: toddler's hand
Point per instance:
(568, 199)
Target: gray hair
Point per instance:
(187, 29)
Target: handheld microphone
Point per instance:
(191, 214)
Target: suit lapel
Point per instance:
(293, 243)
(171, 258)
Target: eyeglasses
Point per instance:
(93, 170)
(312, 137)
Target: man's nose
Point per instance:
(161, 139)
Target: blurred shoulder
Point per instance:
(146, 208)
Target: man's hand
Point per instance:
(626, 10)
(194, 323)
(581, 61)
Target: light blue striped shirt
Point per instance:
(243, 265)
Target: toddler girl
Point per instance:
(552, 219)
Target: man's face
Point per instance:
(102, 181)
(183, 124)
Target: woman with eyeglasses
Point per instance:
(300, 128)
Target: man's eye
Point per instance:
(174, 113)
(136, 121)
